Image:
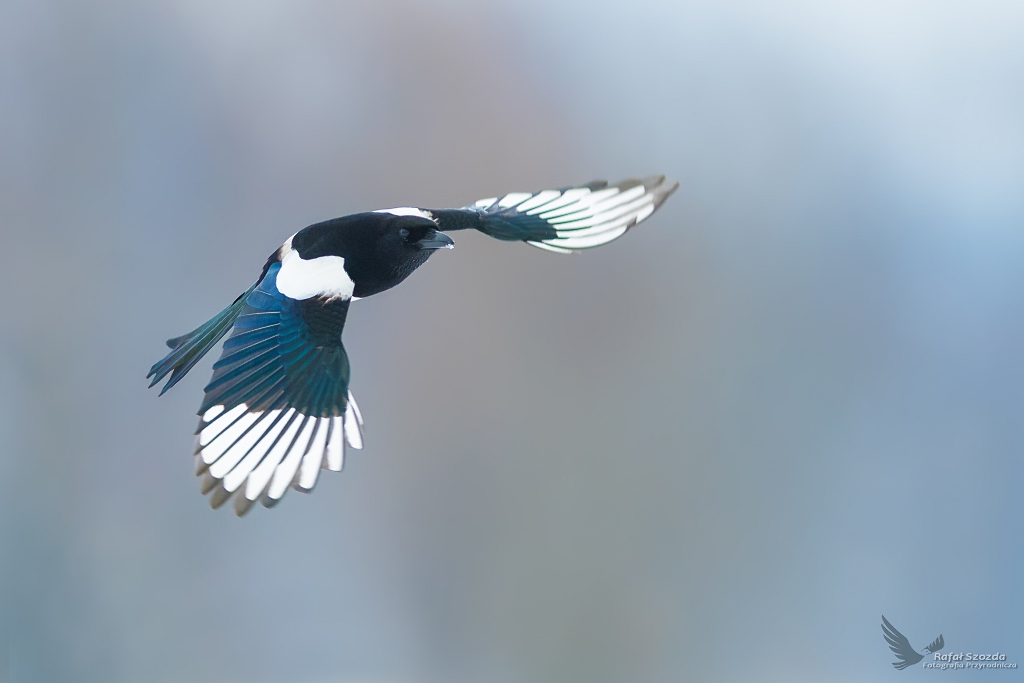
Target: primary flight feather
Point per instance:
(278, 408)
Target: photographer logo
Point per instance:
(908, 656)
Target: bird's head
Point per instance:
(405, 241)
(414, 238)
(379, 249)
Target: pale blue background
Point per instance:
(717, 450)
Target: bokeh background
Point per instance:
(716, 450)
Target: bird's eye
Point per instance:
(403, 233)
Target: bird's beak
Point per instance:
(435, 240)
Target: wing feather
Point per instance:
(278, 408)
(566, 219)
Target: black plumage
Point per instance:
(278, 407)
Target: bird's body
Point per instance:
(278, 408)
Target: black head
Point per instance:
(409, 240)
(380, 249)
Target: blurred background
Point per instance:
(718, 449)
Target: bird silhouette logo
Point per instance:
(899, 644)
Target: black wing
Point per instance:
(278, 406)
(566, 219)
(899, 644)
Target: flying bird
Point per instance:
(899, 644)
(278, 408)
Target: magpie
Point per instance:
(278, 407)
(902, 648)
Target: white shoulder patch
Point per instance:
(408, 211)
(321, 276)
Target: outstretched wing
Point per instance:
(566, 219)
(899, 644)
(936, 644)
(278, 407)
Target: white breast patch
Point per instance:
(321, 276)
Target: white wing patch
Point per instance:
(408, 211)
(258, 455)
(585, 217)
(322, 276)
(514, 198)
